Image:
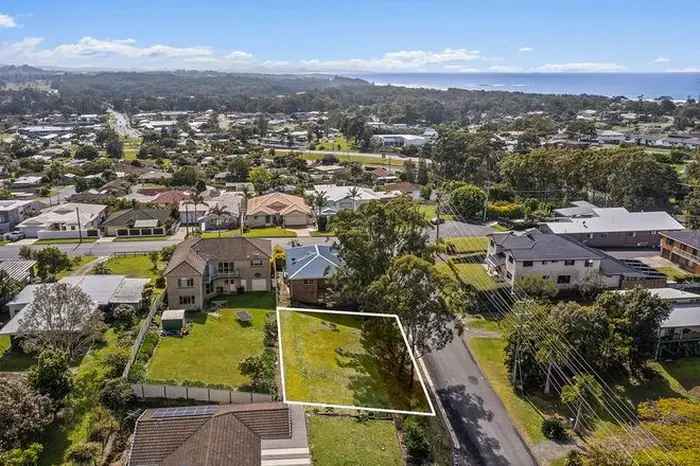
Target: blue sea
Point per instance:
(632, 85)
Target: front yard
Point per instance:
(216, 344)
(325, 362)
(133, 266)
(347, 441)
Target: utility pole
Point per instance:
(438, 198)
(80, 232)
(486, 203)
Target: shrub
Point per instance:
(102, 424)
(574, 459)
(51, 376)
(116, 360)
(416, 439)
(117, 395)
(87, 453)
(22, 456)
(467, 200)
(553, 429)
(270, 331)
(504, 209)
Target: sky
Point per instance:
(357, 36)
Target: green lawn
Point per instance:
(270, 232)
(466, 245)
(685, 372)
(471, 273)
(339, 144)
(215, 345)
(142, 238)
(361, 159)
(429, 211)
(65, 241)
(499, 228)
(80, 262)
(345, 441)
(323, 233)
(133, 266)
(325, 362)
(674, 273)
(489, 354)
(13, 361)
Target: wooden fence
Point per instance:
(211, 395)
(155, 305)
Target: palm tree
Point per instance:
(319, 200)
(196, 199)
(354, 193)
(219, 211)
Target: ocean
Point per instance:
(678, 86)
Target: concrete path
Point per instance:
(476, 413)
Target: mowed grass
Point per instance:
(686, 372)
(345, 441)
(325, 362)
(78, 262)
(340, 144)
(216, 344)
(266, 232)
(471, 273)
(429, 212)
(467, 245)
(132, 266)
(361, 159)
(64, 241)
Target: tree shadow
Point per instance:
(465, 420)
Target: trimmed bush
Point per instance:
(553, 429)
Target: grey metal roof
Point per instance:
(173, 314)
(683, 315)
(100, 288)
(312, 262)
(669, 294)
(18, 270)
(130, 291)
(616, 220)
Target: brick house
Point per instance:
(681, 248)
(278, 209)
(200, 269)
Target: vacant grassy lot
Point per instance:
(467, 245)
(133, 266)
(345, 441)
(429, 211)
(474, 274)
(361, 159)
(267, 232)
(325, 362)
(215, 345)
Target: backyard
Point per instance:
(216, 343)
(325, 362)
(347, 441)
(471, 273)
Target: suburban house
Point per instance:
(29, 183)
(679, 334)
(139, 221)
(105, 291)
(13, 212)
(200, 269)
(203, 213)
(398, 140)
(256, 434)
(69, 220)
(614, 227)
(567, 262)
(278, 209)
(681, 248)
(170, 198)
(404, 188)
(308, 270)
(341, 197)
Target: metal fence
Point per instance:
(212, 395)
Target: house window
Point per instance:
(569, 262)
(185, 282)
(257, 262)
(225, 267)
(208, 288)
(308, 282)
(588, 263)
(186, 300)
(527, 263)
(590, 235)
(564, 279)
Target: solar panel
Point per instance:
(185, 411)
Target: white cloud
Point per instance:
(403, 60)
(593, 67)
(7, 21)
(525, 49)
(661, 60)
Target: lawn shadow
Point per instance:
(351, 321)
(686, 372)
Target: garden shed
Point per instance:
(173, 321)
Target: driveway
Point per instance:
(475, 411)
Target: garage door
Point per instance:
(292, 220)
(258, 284)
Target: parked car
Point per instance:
(15, 235)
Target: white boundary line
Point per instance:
(327, 405)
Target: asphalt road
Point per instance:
(476, 413)
(11, 251)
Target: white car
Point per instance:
(14, 235)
